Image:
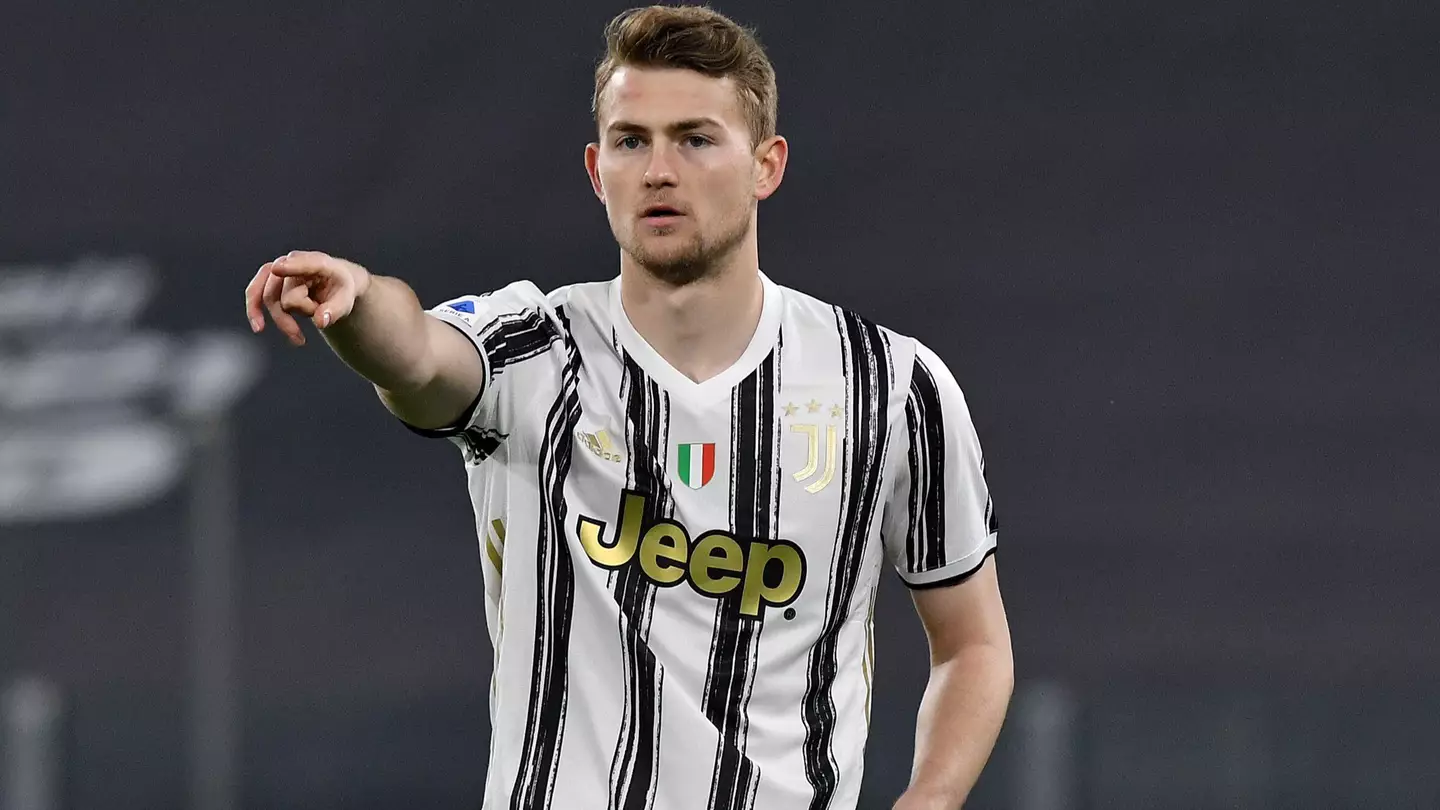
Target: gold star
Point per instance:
(812, 406)
(836, 411)
(790, 409)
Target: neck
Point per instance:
(701, 328)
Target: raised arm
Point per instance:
(425, 371)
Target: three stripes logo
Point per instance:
(697, 464)
(495, 545)
(600, 444)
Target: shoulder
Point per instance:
(805, 312)
(912, 363)
(524, 301)
(583, 308)
(585, 295)
(524, 293)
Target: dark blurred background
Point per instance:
(1181, 256)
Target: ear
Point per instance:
(592, 168)
(770, 158)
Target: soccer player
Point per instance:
(688, 479)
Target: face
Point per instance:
(676, 170)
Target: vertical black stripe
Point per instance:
(633, 771)
(549, 681)
(992, 520)
(915, 525)
(735, 643)
(931, 437)
(867, 382)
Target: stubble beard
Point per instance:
(699, 259)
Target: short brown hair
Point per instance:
(693, 38)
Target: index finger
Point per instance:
(253, 291)
(302, 263)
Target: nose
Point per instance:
(660, 172)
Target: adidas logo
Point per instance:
(600, 444)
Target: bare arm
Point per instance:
(972, 675)
(425, 371)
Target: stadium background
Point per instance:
(1180, 255)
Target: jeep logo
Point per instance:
(766, 572)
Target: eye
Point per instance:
(629, 142)
(697, 141)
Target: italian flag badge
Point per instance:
(697, 464)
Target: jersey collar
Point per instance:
(761, 343)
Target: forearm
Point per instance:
(384, 338)
(960, 717)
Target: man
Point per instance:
(687, 480)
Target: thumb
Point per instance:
(334, 309)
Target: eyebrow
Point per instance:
(678, 126)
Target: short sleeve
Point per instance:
(507, 327)
(939, 524)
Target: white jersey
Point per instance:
(681, 576)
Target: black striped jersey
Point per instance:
(681, 576)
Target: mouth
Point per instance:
(661, 214)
